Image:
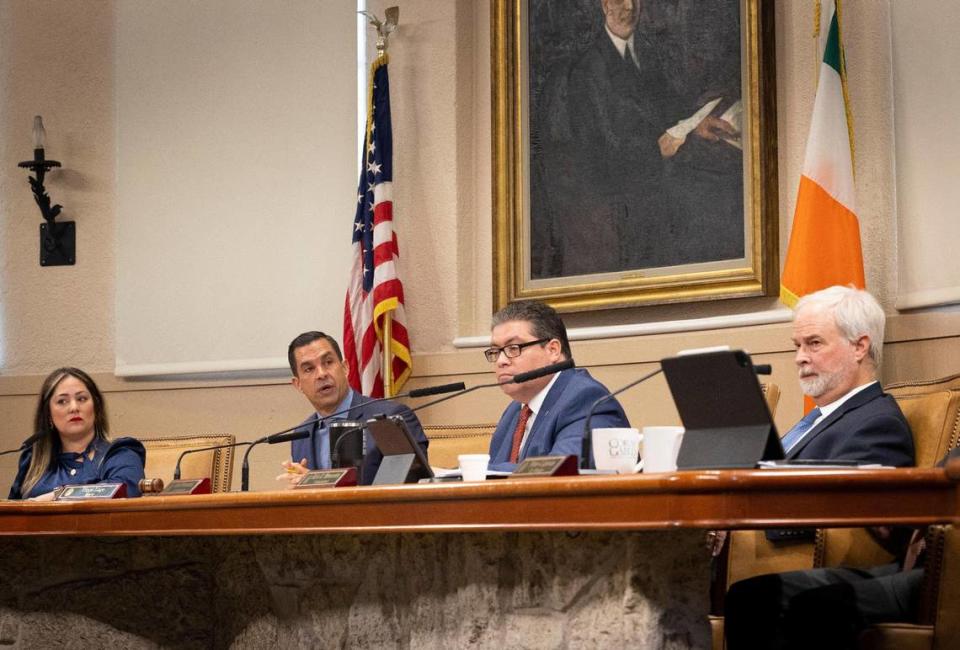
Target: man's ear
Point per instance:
(861, 347)
(295, 380)
(554, 348)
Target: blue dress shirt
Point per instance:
(321, 441)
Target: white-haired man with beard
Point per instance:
(838, 335)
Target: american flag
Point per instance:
(375, 288)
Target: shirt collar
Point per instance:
(342, 406)
(620, 43)
(837, 403)
(537, 400)
(78, 456)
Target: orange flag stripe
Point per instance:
(824, 245)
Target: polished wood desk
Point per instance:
(593, 561)
(696, 499)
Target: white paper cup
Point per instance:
(616, 449)
(660, 448)
(473, 467)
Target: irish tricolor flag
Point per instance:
(825, 241)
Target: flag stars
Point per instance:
(357, 226)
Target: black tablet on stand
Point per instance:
(721, 404)
(403, 458)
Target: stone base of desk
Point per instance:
(457, 590)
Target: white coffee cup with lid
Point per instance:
(661, 445)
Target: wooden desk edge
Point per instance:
(703, 499)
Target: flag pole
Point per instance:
(387, 373)
(384, 27)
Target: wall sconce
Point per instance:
(58, 241)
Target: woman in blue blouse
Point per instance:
(73, 448)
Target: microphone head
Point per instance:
(437, 390)
(290, 436)
(522, 377)
(32, 439)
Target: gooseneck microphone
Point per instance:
(176, 469)
(302, 430)
(537, 373)
(297, 432)
(518, 378)
(29, 441)
(585, 448)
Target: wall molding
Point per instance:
(663, 327)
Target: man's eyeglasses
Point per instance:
(511, 351)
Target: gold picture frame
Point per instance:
(627, 270)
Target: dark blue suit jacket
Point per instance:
(868, 427)
(359, 410)
(558, 427)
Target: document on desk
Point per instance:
(819, 464)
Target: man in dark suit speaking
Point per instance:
(838, 335)
(547, 415)
(320, 373)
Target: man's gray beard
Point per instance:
(817, 386)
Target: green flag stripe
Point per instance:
(831, 53)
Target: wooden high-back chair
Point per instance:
(215, 464)
(447, 441)
(933, 410)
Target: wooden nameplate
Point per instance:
(547, 466)
(94, 491)
(326, 478)
(187, 486)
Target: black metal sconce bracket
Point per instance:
(58, 241)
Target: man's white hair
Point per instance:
(855, 313)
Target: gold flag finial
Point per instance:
(384, 27)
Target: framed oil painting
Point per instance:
(634, 148)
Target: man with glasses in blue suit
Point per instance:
(547, 415)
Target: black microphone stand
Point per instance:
(245, 466)
(176, 469)
(26, 443)
(585, 449)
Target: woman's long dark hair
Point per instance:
(43, 449)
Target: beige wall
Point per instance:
(441, 102)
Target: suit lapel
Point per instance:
(544, 419)
(866, 395)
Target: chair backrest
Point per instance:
(215, 464)
(447, 441)
(933, 410)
